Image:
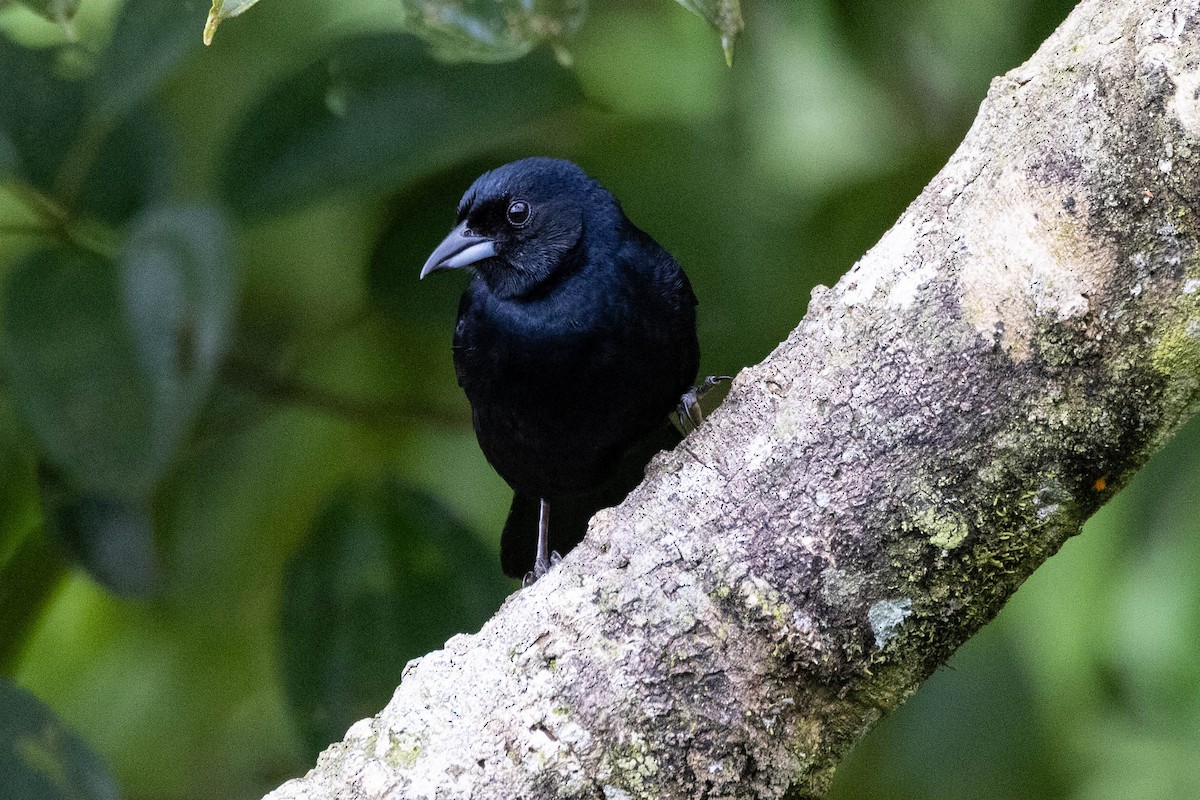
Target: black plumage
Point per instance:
(575, 340)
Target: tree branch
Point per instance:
(869, 496)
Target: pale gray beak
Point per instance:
(459, 249)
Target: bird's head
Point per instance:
(518, 223)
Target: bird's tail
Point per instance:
(569, 515)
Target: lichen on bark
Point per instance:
(870, 494)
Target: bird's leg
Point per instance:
(689, 412)
(541, 564)
(545, 559)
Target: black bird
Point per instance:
(576, 339)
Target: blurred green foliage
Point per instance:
(42, 759)
(58, 11)
(382, 561)
(238, 484)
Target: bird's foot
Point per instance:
(690, 411)
(540, 567)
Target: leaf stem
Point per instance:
(56, 221)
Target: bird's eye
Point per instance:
(518, 213)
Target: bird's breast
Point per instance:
(561, 384)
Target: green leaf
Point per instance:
(29, 580)
(112, 538)
(40, 113)
(10, 159)
(109, 362)
(387, 575)
(43, 759)
(724, 15)
(178, 288)
(133, 169)
(18, 495)
(75, 373)
(46, 142)
(222, 10)
(29, 564)
(58, 11)
(493, 30)
(151, 38)
(376, 114)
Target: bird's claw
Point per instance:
(689, 413)
(540, 567)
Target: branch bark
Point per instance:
(869, 496)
